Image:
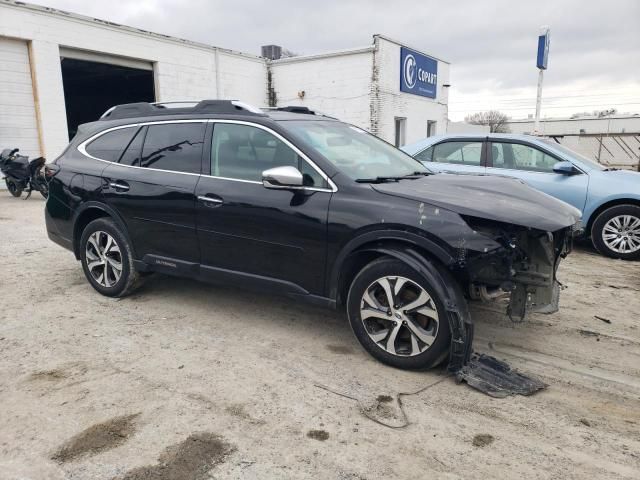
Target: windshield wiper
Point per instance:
(378, 179)
(409, 176)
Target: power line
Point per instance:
(617, 92)
(551, 107)
(617, 100)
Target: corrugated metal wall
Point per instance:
(18, 126)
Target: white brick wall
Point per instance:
(183, 70)
(336, 84)
(348, 86)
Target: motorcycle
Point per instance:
(21, 174)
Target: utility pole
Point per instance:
(541, 63)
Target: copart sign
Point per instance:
(418, 73)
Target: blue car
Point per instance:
(609, 199)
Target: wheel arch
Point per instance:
(428, 264)
(89, 212)
(605, 206)
(367, 247)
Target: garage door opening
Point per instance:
(90, 88)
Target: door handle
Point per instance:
(119, 186)
(211, 201)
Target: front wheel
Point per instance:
(397, 315)
(616, 232)
(13, 188)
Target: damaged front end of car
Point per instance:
(522, 270)
(521, 274)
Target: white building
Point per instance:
(464, 127)
(612, 140)
(59, 69)
(583, 125)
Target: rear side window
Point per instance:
(174, 146)
(461, 153)
(110, 145)
(425, 155)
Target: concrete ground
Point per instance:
(184, 380)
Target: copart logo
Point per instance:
(410, 68)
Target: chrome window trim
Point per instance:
(333, 188)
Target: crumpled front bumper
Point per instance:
(524, 267)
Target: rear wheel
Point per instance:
(397, 315)
(13, 188)
(107, 259)
(616, 232)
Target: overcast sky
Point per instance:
(594, 60)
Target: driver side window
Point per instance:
(521, 157)
(243, 152)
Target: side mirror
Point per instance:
(282, 177)
(564, 168)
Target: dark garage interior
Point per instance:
(90, 88)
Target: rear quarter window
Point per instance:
(109, 146)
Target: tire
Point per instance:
(99, 257)
(616, 232)
(13, 188)
(367, 295)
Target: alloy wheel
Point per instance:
(399, 316)
(104, 259)
(621, 234)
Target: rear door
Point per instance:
(152, 186)
(535, 167)
(455, 156)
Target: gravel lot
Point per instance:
(184, 380)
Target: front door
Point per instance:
(535, 167)
(267, 237)
(152, 187)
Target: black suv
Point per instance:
(300, 204)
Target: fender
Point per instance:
(381, 235)
(589, 213)
(455, 304)
(115, 216)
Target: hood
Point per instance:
(628, 177)
(496, 198)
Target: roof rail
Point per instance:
(295, 109)
(299, 109)
(143, 109)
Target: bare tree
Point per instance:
(495, 119)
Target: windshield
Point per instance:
(571, 153)
(355, 152)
